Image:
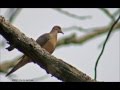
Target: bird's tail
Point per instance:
(24, 60)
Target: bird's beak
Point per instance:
(61, 32)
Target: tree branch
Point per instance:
(77, 28)
(51, 64)
(116, 12)
(73, 39)
(71, 15)
(108, 13)
(104, 44)
(12, 13)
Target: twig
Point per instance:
(15, 14)
(73, 39)
(56, 67)
(96, 64)
(77, 28)
(116, 13)
(71, 15)
(12, 13)
(9, 12)
(108, 13)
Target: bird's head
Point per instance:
(57, 29)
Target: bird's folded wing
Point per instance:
(43, 39)
(23, 60)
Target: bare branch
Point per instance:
(104, 44)
(108, 13)
(12, 13)
(15, 14)
(73, 39)
(116, 13)
(9, 12)
(51, 64)
(76, 28)
(70, 14)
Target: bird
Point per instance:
(47, 41)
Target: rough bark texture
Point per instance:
(51, 64)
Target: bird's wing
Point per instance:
(42, 40)
(48, 42)
(23, 60)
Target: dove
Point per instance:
(47, 41)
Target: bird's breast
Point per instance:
(50, 44)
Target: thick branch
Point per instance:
(73, 39)
(51, 64)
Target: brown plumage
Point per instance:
(47, 41)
